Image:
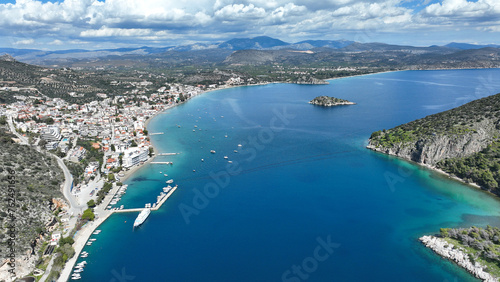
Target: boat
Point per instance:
(212, 151)
(89, 243)
(235, 151)
(92, 239)
(165, 175)
(225, 135)
(239, 145)
(202, 160)
(142, 217)
(230, 162)
(225, 157)
(169, 181)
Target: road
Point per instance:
(23, 139)
(75, 207)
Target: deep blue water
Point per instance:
(303, 198)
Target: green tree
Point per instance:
(91, 203)
(88, 214)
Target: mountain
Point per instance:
(260, 42)
(334, 44)
(467, 46)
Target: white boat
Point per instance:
(212, 151)
(92, 239)
(170, 181)
(235, 151)
(165, 175)
(89, 243)
(225, 157)
(142, 217)
(202, 160)
(239, 145)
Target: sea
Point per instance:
(290, 192)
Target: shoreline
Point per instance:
(455, 254)
(83, 235)
(436, 170)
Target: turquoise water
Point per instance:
(302, 199)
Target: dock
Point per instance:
(161, 162)
(158, 204)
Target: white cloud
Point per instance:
(25, 42)
(115, 32)
(189, 21)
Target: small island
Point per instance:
(326, 101)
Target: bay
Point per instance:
(303, 199)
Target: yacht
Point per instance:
(143, 215)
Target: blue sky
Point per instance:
(93, 24)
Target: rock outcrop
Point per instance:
(429, 150)
(457, 255)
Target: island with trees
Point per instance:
(327, 101)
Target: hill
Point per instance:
(464, 142)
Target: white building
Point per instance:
(135, 155)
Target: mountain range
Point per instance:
(44, 57)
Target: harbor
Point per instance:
(83, 236)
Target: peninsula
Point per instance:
(463, 142)
(327, 101)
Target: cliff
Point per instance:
(458, 141)
(329, 101)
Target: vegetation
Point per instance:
(329, 101)
(482, 168)
(88, 215)
(481, 244)
(37, 180)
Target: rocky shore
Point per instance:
(455, 254)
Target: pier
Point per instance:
(162, 163)
(158, 204)
(156, 133)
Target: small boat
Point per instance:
(225, 157)
(239, 145)
(169, 181)
(225, 136)
(230, 162)
(236, 151)
(78, 270)
(195, 126)
(93, 239)
(194, 170)
(89, 243)
(202, 160)
(165, 175)
(212, 151)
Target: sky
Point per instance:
(94, 24)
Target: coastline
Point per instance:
(457, 255)
(435, 169)
(83, 235)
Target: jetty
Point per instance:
(162, 162)
(158, 204)
(156, 133)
